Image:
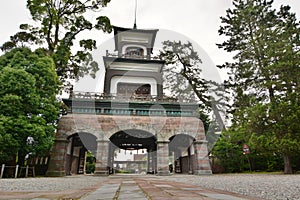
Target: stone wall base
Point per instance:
(203, 172)
(163, 173)
(55, 173)
(101, 173)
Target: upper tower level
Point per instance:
(136, 43)
(133, 72)
(133, 82)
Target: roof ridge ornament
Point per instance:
(134, 26)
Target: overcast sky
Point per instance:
(196, 19)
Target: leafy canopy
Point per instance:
(57, 24)
(28, 105)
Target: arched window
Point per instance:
(129, 89)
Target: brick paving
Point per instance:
(124, 187)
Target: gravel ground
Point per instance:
(275, 187)
(280, 187)
(50, 184)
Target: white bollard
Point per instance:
(2, 170)
(33, 172)
(26, 172)
(17, 169)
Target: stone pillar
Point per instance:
(154, 162)
(163, 158)
(102, 164)
(84, 164)
(202, 164)
(111, 158)
(177, 163)
(149, 161)
(57, 162)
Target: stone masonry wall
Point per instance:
(104, 126)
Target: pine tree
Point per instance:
(184, 79)
(264, 76)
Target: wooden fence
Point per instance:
(35, 166)
(17, 171)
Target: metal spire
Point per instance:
(134, 26)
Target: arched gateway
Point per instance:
(132, 114)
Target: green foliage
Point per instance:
(8, 144)
(58, 23)
(28, 105)
(228, 151)
(90, 163)
(264, 77)
(90, 168)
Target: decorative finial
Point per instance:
(134, 26)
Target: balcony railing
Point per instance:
(132, 112)
(134, 97)
(135, 105)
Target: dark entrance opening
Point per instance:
(132, 141)
(181, 147)
(79, 144)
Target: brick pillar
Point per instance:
(57, 162)
(163, 158)
(102, 158)
(202, 164)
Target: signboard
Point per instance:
(246, 149)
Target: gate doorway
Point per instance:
(132, 151)
(78, 146)
(182, 153)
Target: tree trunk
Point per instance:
(287, 164)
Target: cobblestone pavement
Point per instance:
(124, 187)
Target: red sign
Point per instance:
(246, 149)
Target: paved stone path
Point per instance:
(128, 187)
(150, 188)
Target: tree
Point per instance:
(28, 105)
(227, 152)
(185, 81)
(264, 77)
(60, 22)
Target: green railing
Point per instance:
(100, 104)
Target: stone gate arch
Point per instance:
(102, 127)
(131, 140)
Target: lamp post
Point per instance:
(30, 142)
